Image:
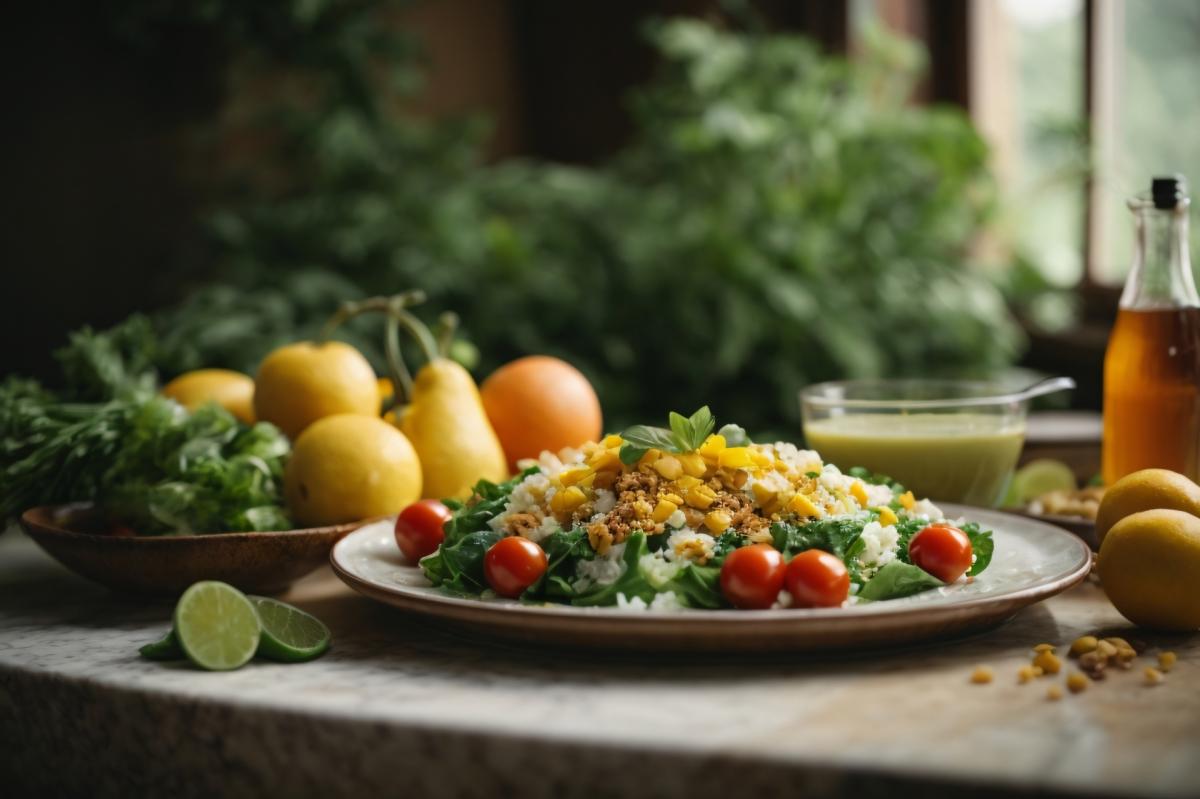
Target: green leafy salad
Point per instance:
(675, 518)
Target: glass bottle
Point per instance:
(1152, 365)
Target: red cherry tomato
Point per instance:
(942, 550)
(817, 579)
(752, 577)
(419, 528)
(512, 565)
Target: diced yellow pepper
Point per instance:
(663, 510)
(687, 481)
(712, 446)
(588, 481)
(693, 464)
(859, 492)
(669, 467)
(606, 461)
(907, 500)
(567, 500)
(761, 459)
(572, 475)
(700, 497)
(762, 494)
(887, 516)
(803, 506)
(717, 521)
(611, 440)
(650, 457)
(672, 497)
(735, 458)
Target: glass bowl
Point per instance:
(948, 440)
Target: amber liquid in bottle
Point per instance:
(1152, 393)
(1152, 366)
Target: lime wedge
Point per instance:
(216, 626)
(1037, 478)
(166, 649)
(289, 634)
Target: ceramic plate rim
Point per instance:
(420, 599)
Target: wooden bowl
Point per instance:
(263, 563)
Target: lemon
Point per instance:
(348, 467)
(233, 391)
(1145, 490)
(1150, 568)
(300, 383)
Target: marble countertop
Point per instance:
(403, 706)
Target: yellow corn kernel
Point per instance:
(567, 500)
(982, 675)
(761, 459)
(717, 521)
(671, 496)
(771, 507)
(700, 497)
(1084, 644)
(859, 492)
(606, 460)
(1166, 660)
(693, 464)
(573, 475)
(735, 458)
(803, 506)
(712, 446)
(887, 516)
(612, 440)
(664, 509)
(907, 500)
(650, 457)
(688, 482)
(1048, 662)
(588, 481)
(669, 467)
(762, 494)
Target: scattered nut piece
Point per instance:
(1027, 673)
(1153, 675)
(1044, 648)
(1048, 662)
(1083, 645)
(1054, 693)
(1106, 649)
(1076, 682)
(982, 675)
(1166, 660)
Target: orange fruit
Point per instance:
(540, 403)
(233, 391)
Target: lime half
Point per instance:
(165, 649)
(1037, 478)
(289, 634)
(216, 626)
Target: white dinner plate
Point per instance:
(1032, 561)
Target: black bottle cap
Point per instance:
(1168, 191)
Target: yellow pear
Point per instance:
(447, 426)
(1147, 489)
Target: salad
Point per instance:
(685, 517)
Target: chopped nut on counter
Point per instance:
(1077, 683)
(1166, 660)
(1054, 693)
(1044, 648)
(1153, 675)
(1027, 673)
(982, 675)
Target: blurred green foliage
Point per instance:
(782, 217)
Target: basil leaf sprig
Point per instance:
(686, 434)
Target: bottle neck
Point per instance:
(1161, 276)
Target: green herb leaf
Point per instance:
(981, 547)
(897, 579)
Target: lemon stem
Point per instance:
(402, 383)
